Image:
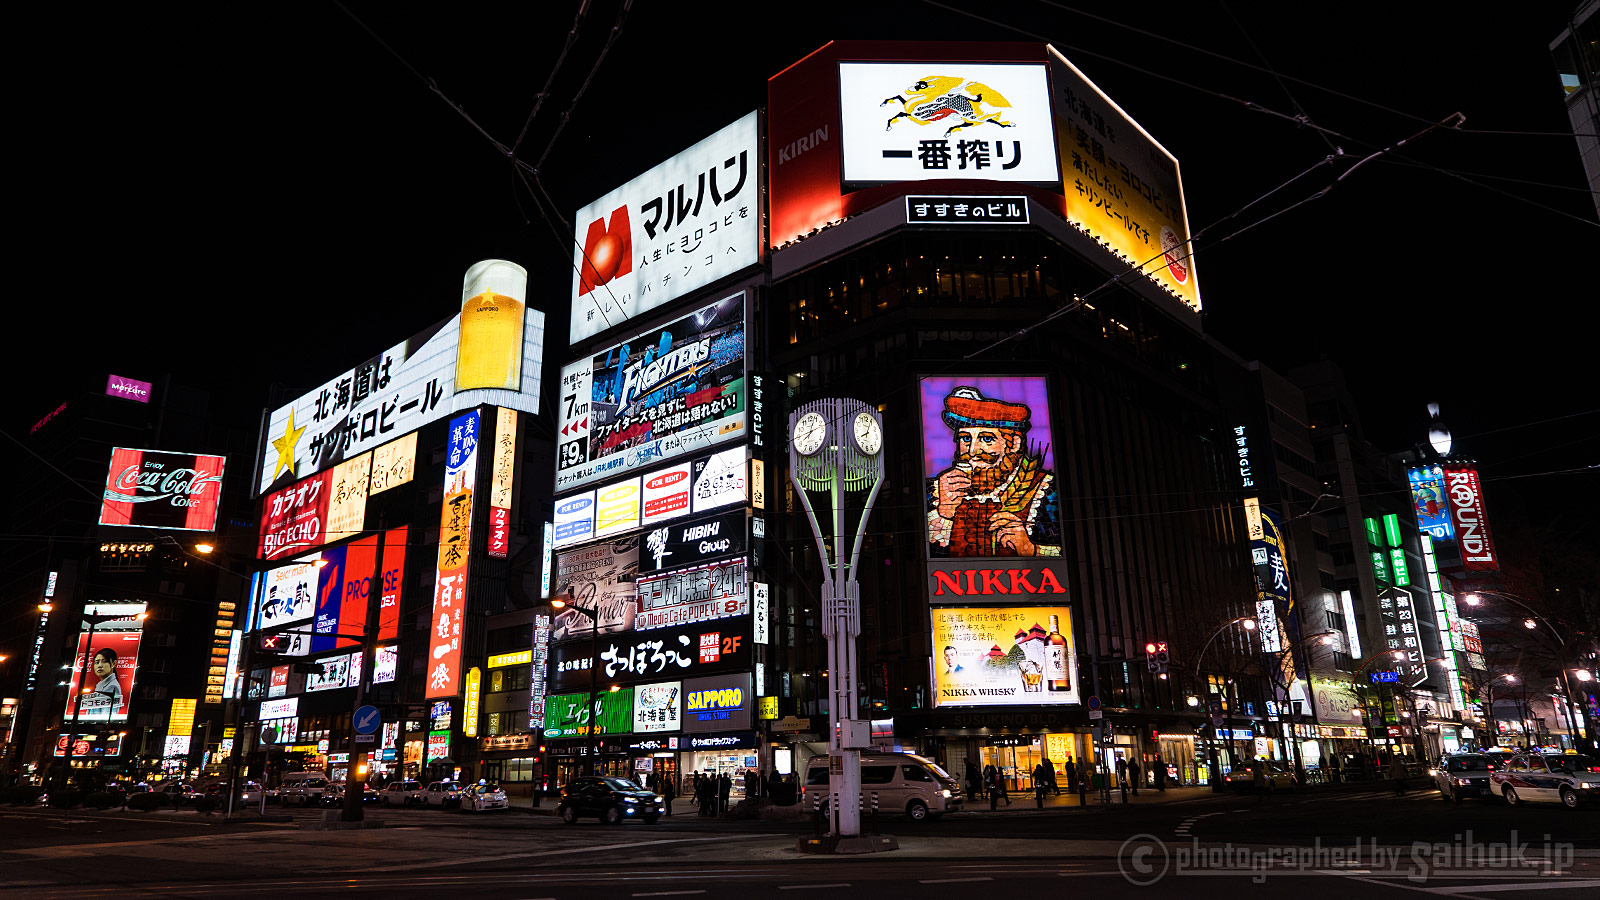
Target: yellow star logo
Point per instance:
(285, 447)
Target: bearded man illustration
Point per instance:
(996, 499)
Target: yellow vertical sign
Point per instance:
(469, 711)
(180, 721)
(758, 484)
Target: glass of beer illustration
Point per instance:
(489, 345)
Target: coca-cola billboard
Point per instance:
(1465, 494)
(158, 489)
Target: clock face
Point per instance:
(809, 433)
(869, 435)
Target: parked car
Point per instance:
(249, 792)
(402, 793)
(611, 800)
(333, 795)
(483, 796)
(303, 788)
(1568, 779)
(443, 794)
(177, 792)
(1243, 776)
(903, 782)
(1463, 775)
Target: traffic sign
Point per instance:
(366, 739)
(1095, 714)
(367, 720)
(1094, 702)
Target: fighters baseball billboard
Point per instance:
(667, 392)
(158, 489)
(690, 221)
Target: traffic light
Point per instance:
(274, 643)
(1156, 657)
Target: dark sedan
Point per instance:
(611, 800)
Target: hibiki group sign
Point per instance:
(158, 489)
(455, 539)
(684, 224)
(654, 397)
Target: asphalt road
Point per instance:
(1314, 844)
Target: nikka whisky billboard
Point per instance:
(1003, 656)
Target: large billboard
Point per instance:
(701, 593)
(105, 666)
(1428, 500)
(989, 460)
(294, 519)
(455, 541)
(1121, 185)
(693, 541)
(569, 715)
(1004, 656)
(690, 221)
(628, 658)
(1472, 526)
(343, 587)
(720, 703)
(392, 588)
(665, 393)
(414, 382)
(598, 577)
(913, 121)
(158, 489)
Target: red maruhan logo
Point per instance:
(937, 98)
(607, 251)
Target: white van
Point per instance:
(302, 788)
(904, 782)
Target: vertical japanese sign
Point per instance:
(392, 589)
(536, 679)
(455, 544)
(692, 220)
(759, 609)
(347, 497)
(1398, 616)
(224, 644)
(1472, 526)
(1247, 477)
(1121, 186)
(394, 463)
(1273, 594)
(469, 708)
(157, 489)
(501, 480)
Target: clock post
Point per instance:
(835, 456)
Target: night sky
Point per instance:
(243, 196)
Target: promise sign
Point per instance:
(1472, 525)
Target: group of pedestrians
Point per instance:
(711, 792)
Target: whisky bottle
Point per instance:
(1056, 670)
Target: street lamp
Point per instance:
(1249, 624)
(1535, 618)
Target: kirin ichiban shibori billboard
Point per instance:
(667, 392)
(690, 221)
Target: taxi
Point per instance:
(1570, 779)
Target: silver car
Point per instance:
(1464, 775)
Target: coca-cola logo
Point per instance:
(179, 486)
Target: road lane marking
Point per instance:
(950, 880)
(1468, 889)
(798, 887)
(666, 893)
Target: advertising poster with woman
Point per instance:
(111, 659)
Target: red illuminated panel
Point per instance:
(392, 594)
(295, 519)
(360, 558)
(157, 489)
(1464, 494)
